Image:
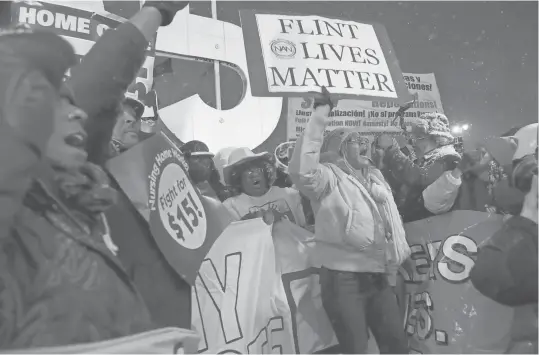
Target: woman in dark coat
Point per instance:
(60, 282)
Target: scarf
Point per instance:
(437, 154)
(86, 190)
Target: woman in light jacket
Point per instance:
(350, 239)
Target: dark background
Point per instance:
(484, 56)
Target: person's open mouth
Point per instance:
(77, 140)
(256, 182)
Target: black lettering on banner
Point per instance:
(287, 283)
(227, 303)
(259, 344)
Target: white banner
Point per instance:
(234, 300)
(302, 53)
(158, 341)
(258, 294)
(369, 116)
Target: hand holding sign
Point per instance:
(322, 106)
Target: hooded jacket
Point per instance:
(349, 230)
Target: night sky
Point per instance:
(484, 54)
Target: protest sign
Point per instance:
(368, 117)
(301, 53)
(82, 27)
(184, 224)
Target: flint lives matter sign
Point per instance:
(298, 54)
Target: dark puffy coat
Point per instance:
(506, 271)
(59, 282)
(506, 268)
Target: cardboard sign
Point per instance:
(183, 223)
(368, 117)
(301, 53)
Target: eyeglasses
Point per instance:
(253, 170)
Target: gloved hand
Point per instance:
(168, 9)
(324, 98)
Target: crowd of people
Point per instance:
(64, 220)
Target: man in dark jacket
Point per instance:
(99, 83)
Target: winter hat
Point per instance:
(331, 146)
(240, 156)
(42, 50)
(433, 124)
(196, 149)
(136, 105)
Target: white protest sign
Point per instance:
(301, 53)
(369, 117)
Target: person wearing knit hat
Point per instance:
(355, 237)
(125, 133)
(202, 170)
(433, 144)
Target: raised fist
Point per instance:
(385, 142)
(168, 9)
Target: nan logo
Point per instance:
(283, 48)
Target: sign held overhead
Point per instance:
(299, 53)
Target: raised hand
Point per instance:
(385, 141)
(322, 106)
(168, 9)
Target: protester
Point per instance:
(482, 187)
(98, 84)
(506, 267)
(61, 283)
(126, 131)
(253, 175)
(350, 238)
(100, 81)
(203, 172)
(435, 156)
